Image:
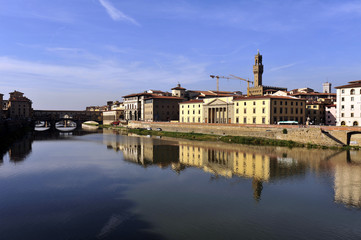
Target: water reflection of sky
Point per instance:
(106, 186)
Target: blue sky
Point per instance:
(68, 54)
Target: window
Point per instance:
(297, 104)
(236, 119)
(285, 103)
(245, 110)
(254, 120)
(352, 99)
(343, 99)
(237, 110)
(254, 110)
(280, 110)
(254, 103)
(352, 91)
(342, 115)
(297, 110)
(263, 120)
(343, 91)
(263, 110)
(352, 107)
(244, 120)
(245, 104)
(342, 107)
(275, 102)
(237, 104)
(274, 110)
(199, 111)
(291, 103)
(291, 110)
(280, 102)
(264, 103)
(352, 115)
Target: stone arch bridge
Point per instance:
(53, 116)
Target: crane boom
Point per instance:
(218, 77)
(232, 77)
(247, 80)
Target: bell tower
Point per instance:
(258, 70)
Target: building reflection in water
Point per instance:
(146, 151)
(228, 163)
(20, 149)
(261, 164)
(347, 184)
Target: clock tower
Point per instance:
(258, 70)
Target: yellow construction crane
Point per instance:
(247, 80)
(232, 77)
(218, 77)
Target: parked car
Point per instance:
(115, 123)
(159, 129)
(149, 128)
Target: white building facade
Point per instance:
(348, 104)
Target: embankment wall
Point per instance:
(321, 135)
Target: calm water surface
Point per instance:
(111, 186)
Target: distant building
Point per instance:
(1, 104)
(96, 108)
(348, 104)
(19, 106)
(316, 112)
(331, 114)
(269, 109)
(112, 116)
(179, 91)
(326, 87)
(259, 89)
(161, 108)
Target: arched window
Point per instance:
(352, 92)
(343, 123)
(355, 123)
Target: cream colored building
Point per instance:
(191, 111)
(218, 110)
(112, 116)
(349, 104)
(269, 110)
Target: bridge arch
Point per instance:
(350, 134)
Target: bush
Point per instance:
(284, 131)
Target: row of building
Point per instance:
(262, 105)
(17, 107)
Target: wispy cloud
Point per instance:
(116, 14)
(282, 67)
(103, 79)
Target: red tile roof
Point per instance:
(165, 97)
(268, 96)
(351, 85)
(192, 101)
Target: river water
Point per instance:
(105, 185)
